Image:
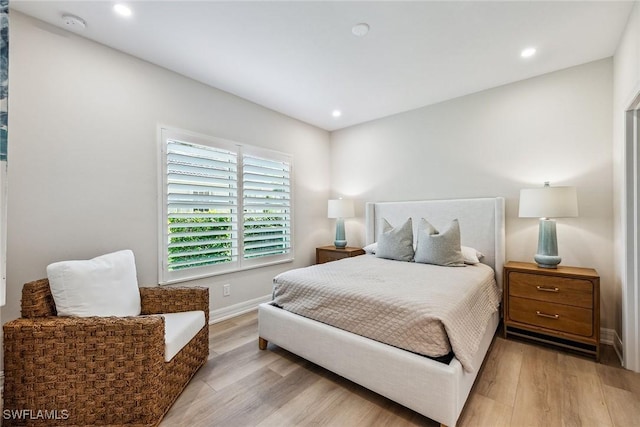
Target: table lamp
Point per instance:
(546, 203)
(340, 209)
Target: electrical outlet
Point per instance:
(226, 290)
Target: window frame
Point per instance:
(167, 276)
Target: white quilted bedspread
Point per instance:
(423, 308)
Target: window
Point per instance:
(226, 206)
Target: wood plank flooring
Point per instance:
(520, 384)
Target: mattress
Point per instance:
(426, 309)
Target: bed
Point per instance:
(434, 389)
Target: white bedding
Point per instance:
(422, 308)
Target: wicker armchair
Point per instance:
(97, 370)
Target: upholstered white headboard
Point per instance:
(481, 223)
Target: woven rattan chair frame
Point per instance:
(74, 371)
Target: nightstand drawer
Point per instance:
(331, 253)
(330, 256)
(562, 290)
(559, 317)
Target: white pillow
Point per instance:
(103, 286)
(371, 249)
(471, 255)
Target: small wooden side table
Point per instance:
(331, 253)
(559, 306)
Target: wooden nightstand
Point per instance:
(555, 306)
(331, 253)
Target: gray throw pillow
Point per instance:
(439, 248)
(396, 243)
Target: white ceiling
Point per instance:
(301, 59)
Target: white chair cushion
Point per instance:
(179, 329)
(103, 286)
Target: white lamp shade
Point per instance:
(340, 208)
(548, 202)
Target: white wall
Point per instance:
(84, 148)
(626, 85)
(556, 128)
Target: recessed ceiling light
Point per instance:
(336, 113)
(122, 9)
(360, 29)
(528, 52)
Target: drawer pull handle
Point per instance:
(543, 289)
(548, 316)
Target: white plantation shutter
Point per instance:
(225, 207)
(266, 190)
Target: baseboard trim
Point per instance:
(611, 337)
(607, 336)
(225, 313)
(617, 346)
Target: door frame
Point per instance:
(631, 238)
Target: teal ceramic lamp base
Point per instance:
(340, 241)
(547, 255)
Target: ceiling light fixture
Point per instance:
(336, 113)
(528, 52)
(360, 30)
(73, 22)
(122, 9)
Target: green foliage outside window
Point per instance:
(277, 240)
(185, 252)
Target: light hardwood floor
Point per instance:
(520, 384)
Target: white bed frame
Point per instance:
(433, 389)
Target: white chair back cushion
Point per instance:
(103, 286)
